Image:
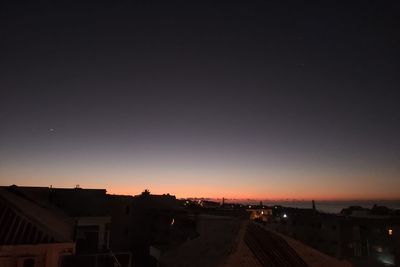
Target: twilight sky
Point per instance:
(241, 99)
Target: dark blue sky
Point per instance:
(247, 98)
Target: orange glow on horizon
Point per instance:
(274, 188)
(209, 193)
(234, 193)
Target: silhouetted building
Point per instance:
(120, 210)
(84, 212)
(260, 213)
(363, 239)
(158, 222)
(30, 235)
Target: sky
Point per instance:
(235, 99)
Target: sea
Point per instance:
(331, 206)
(335, 206)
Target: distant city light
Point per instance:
(284, 215)
(172, 222)
(390, 231)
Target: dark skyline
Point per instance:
(258, 99)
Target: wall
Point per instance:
(45, 255)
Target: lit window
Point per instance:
(390, 231)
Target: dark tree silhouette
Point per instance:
(146, 193)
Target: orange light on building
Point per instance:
(390, 232)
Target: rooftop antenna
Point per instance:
(313, 206)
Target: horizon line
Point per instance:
(240, 199)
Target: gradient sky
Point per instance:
(241, 99)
